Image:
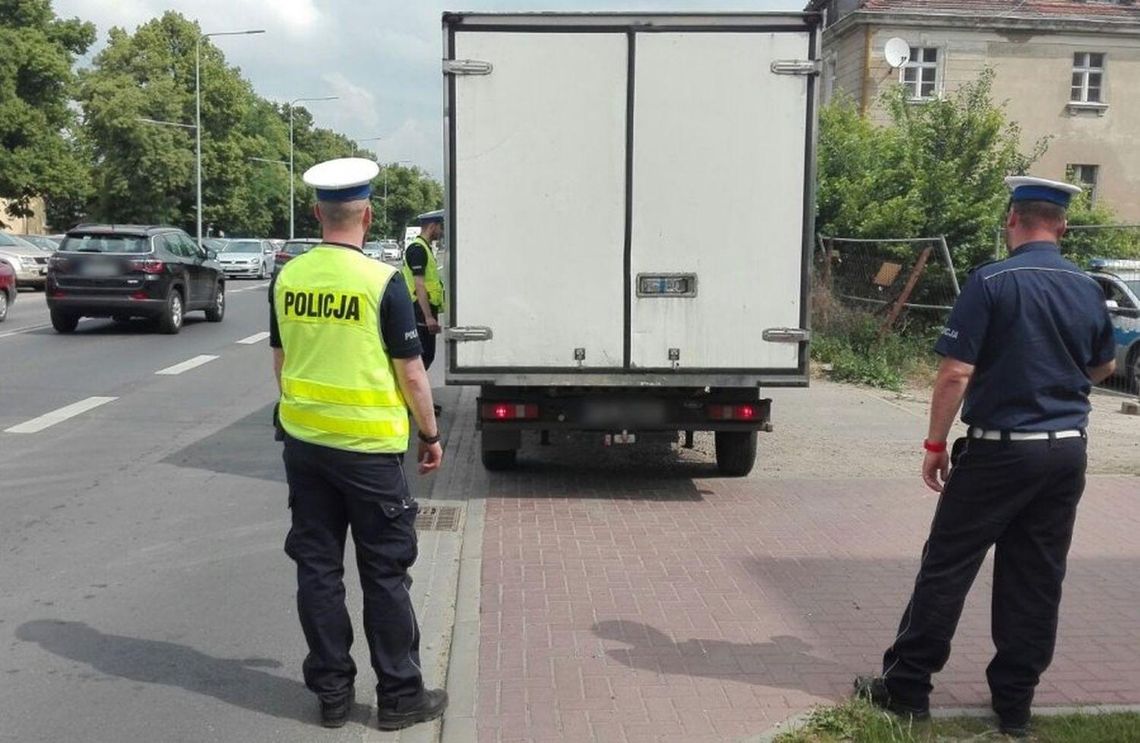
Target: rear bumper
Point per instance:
(107, 305)
(634, 411)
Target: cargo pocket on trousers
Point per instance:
(402, 518)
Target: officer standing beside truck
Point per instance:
(421, 273)
(1026, 340)
(346, 355)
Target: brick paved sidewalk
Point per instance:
(628, 601)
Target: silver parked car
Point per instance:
(249, 258)
(29, 262)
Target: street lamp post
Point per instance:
(367, 139)
(293, 103)
(198, 109)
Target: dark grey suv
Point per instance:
(125, 271)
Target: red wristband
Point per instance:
(934, 447)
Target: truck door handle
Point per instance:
(468, 334)
(787, 335)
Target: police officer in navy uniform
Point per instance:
(1026, 340)
(347, 359)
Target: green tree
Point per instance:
(938, 168)
(145, 172)
(1094, 233)
(38, 155)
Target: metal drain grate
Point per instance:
(439, 518)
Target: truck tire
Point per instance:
(64, 322)
(497, 460)
(735, 452)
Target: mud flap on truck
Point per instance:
(734, 415)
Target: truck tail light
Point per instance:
(508, 411)
(148, 266)
(744, 412)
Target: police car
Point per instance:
(1120, 280)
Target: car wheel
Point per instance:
(3, 305)
(217, 310)
(1132, 372)
(170, 322)
(64, 322)
(261, 272)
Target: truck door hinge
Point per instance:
(796, 67)
(786, 335)
(466, 67)
(469, 334)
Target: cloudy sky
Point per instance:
(381, 57)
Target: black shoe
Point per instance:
(438, 409)
(874, 690)
(406, 711)
(334, 712)
(1014, 730)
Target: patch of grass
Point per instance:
(856, 721)
(851, 344)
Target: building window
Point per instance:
(1088, 77)
(920, 74)
(1085, 176)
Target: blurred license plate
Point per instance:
(623, 414)
(101, 269)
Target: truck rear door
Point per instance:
(719, 157)
(538, 222)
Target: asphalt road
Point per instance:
(144, 594)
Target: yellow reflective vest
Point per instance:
(432, 281)
(338, 386)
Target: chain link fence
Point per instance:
(903, 281)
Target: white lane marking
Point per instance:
(255, 287)
(187, 365)
(255, 338)
(29, 329)
(33, 328)
(35, 425)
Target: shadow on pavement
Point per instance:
(236, 681)
(784, 662)
(244, 448)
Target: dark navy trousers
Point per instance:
(1021, 498)
(329, 491)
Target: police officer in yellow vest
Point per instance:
(421, 273)
(347, 357)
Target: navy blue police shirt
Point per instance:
(1031, 325)
(397, 321)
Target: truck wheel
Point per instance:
(64, 322)
(735, 452)
(497, 460)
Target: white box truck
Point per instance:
(586, 156)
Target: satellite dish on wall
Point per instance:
(897, 52)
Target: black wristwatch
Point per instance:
(428, 439)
